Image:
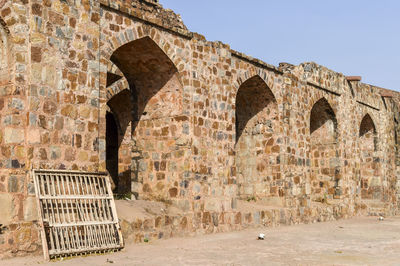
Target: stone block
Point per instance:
(182, 204)
(13, 135)
(13, 184)
(16, 103)
(248, 189)
(213, 204)
(274, 201)
(30, 209)
(55, 152)
(34, 136)
(6, 208)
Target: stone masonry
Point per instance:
(226, 139)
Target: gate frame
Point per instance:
(46, 254)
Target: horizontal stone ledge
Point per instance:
(322, 88)
(353, 78)
(255, 61)
(367, 105)
(388, 94)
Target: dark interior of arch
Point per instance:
(252, 97)
(321, 113)
(111, 78)
(147, 69)
(112, 147)
(367, 125)
(121, 107)
(117, 122)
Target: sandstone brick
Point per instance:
(69, 111)
(173, 192)
(13, 135)
(55, 152)
(37, 9)
(30, 209)
(14, 184)
(36, 54)
(56, 18)
(49, 107)
(83, 156)
(6, 205)
(42, 154)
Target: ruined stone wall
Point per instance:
(125, 87)
(17, 209)
(50, 113)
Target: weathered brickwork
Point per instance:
(227, 140)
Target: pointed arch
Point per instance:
(368, 130)
(147, 70)
(253, 97)
(321, 114)
(370, 176)
(367, 125)
(131, 37)
(257, 143)
(136, 33)
(246, 75)
(325, 160)
(110, 87)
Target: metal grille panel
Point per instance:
(77, 211)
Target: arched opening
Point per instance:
(324, 154)
(370, 179)
(118, 140)
(257, 143)
(146, 113)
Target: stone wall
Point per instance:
(18, 205)
(125, 87)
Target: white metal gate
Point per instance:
(77, 212)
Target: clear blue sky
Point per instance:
(354, 37)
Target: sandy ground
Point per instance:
(359, 241)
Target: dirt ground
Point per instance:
(359, 241)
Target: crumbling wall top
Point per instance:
(150, 11)
(317, 75)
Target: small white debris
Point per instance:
(261, 237)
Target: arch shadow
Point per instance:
(321, 113)
(253, 97)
